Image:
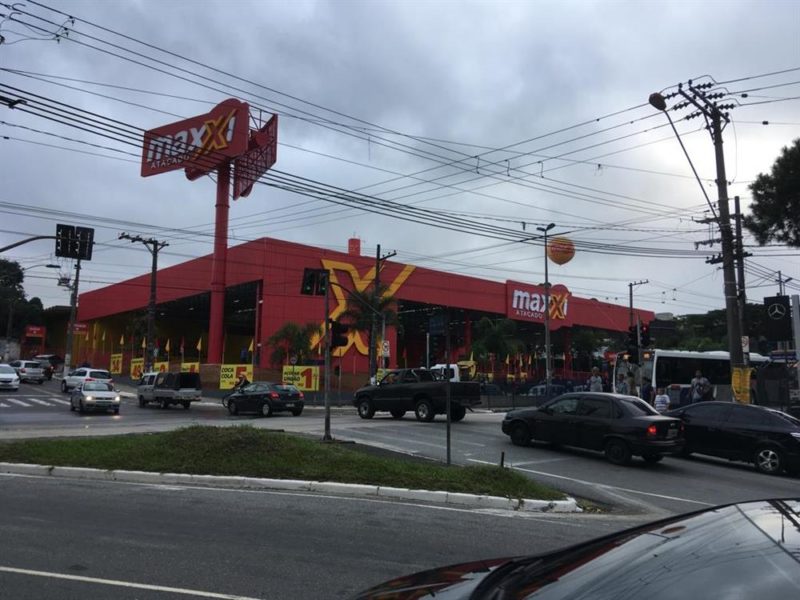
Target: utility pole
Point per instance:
(372, 332)
(73, 303)
(326, 395)
(631, 285)
(706, 105)
(153, 246)
(740, 256)
(782, 283)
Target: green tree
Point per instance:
(366, 307)
(498, 337)
(775, 210)
(14, 310)
(292, 339)
(585, 343)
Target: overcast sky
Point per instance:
(496, 113)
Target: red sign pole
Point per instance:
(215, 332)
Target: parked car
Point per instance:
(83, 374)
(620, 426)
(491, 389)
(265, 398)
(539, 393)
(144, 389)
(402, 390)
(9, 380)
(745, 550)
(51, 363)
(768, 438)
(94, 395)
(29, 370)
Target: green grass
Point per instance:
(251, 452)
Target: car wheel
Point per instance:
(652, 458)
(618, 452)
(769, 460)
(297, 411)
(365, 408)
(457, 413)
(266, 409)
(232, 408)
(520, 434)
(142, 402)
(398, 413)
(186, 404)
(64, 386)
(116, 411)
(424, 411)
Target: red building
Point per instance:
(263, 282)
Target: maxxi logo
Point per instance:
(527, 304)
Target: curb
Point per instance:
(328, 487)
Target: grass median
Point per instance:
(251, 452)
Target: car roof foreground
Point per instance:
(749, 549)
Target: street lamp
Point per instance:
(547, 358)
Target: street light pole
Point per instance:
(548, 368)
(73, 303)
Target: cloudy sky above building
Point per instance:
(481, 120)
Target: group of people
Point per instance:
(700, 388)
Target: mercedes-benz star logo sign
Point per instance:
(776, 311)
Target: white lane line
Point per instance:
(17, 402)
(600, 485)
(4, 405)
(126, 584)
(37, 401)
(542, 461)
(60, 401)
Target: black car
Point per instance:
(747, 550)
(265, 398)
(768, 438)
(621, 426)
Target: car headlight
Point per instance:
(89, 398)
(795, 435)
(116, 398)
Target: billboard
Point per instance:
(779, 319)
(261, 154)
(198, 144)
(526, 302)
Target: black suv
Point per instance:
(768, 438)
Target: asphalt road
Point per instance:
(123, 539)
(673, 486)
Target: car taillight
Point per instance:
(652, 430)
(300, 394)
(22, 370)
(274, 395)
(89, 379)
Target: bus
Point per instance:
(674, 370)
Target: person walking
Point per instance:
(621, 386)
(661, 402)
(595, 381)
(630, 380)
(647, 390)
(700, 387)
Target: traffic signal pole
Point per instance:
(327, 435)
(73, 304)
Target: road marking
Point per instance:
(18, 402)
(539, 462)
(600, 485)
(60, 401)
(37, 401)
(4, 405)
(127, 584)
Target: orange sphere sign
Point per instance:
(560, 250)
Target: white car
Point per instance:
(83, 374)
(9, 380)
(94, 395)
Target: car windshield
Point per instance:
(97, 386)
(287, 388)
(100, 374)
(787, 417)
(637, 407)
(7, 370)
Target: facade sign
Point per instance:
(137, 368)
(34, 331)
(229, 374)
(305, 379)
(190, 367)
(526, 302)
(778, 323)
(161, 366)
(115, 364)
(198, 144)
(262, 152)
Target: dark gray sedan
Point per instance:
(265, 398)
(94, 395)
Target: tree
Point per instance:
(497, 337)
(776, 201)
(292, 339)
(364, 306)
(12, 298)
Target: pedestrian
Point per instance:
(661, 402)
(631, 381)
(701, 387)
(242, 381)
(647, 390)
(621, 386)
(595, 381)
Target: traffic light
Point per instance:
(633, 343)
(315, 282)
(645, 336)
(74, 242)
(338, 333)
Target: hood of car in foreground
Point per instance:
(747, 550)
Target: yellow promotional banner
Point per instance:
(161, 366)
(228, 374)
(115, 366)
(740, 384)
(137, 367)
(190, 367)
(305, 379)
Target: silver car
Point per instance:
(29, 370)
(94, 395)
(9, 380)
(83, 375)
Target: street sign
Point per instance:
(262, 152)
(293, 360)
(386, 348)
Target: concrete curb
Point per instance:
(328, 487)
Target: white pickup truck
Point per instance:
(169, 388)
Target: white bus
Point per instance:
(674, 370)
